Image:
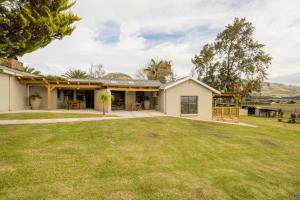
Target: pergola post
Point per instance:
(49, 97)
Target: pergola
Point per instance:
(225, 112)
(53, 83)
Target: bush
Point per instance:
(293, 116)
(35, 96)
(280, 113)
(292, 119)
(291, 102)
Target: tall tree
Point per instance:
(76, 73)
(158, 70)
(96, 71)
(235, 62)
(31, 70)
(27, 25)
(140, 74)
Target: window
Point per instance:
(189, 105)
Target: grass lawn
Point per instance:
(150, 158)
(46, 115)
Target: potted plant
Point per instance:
(35, 101)
(146, 102)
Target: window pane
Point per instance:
(193, 100)
(189, 105)
(184, 108)
(184, 99)
(193, 108)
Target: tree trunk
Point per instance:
(103, 109)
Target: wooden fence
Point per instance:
(226, 114)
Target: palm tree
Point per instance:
(31, 70)
(104, 99)
(76, 73)
(158, 70)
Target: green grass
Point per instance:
(46, 115)
(150, 158)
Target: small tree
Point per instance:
(104, 99)
(76, 73)
(140, 74)
(96, 71)
(31, 70)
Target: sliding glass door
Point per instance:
(189, 104)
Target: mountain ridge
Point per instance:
(279, 90)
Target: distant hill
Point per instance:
(293, 79)
(279, 90)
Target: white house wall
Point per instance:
(161, 101)
(12, 94)
(43, 92)
(189, 88)
(97, 104)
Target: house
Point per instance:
(183, 97)
(187, 97)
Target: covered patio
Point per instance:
(130, 95)
(55, 89)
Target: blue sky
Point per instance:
(125, 35)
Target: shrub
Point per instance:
(293, 118)
(280, 113)
(291, 102)
(35, 96)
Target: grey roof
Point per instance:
(118, 82)
(15, 72)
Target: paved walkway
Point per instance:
(221, 122)
(117, 114)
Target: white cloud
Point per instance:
(277, 25)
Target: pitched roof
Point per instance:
(121, 82)
(15, 72)
(181, 80)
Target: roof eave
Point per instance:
(197, 81)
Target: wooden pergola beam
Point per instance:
(81, 86)
(146, 89)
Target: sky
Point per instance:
(124, 35)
